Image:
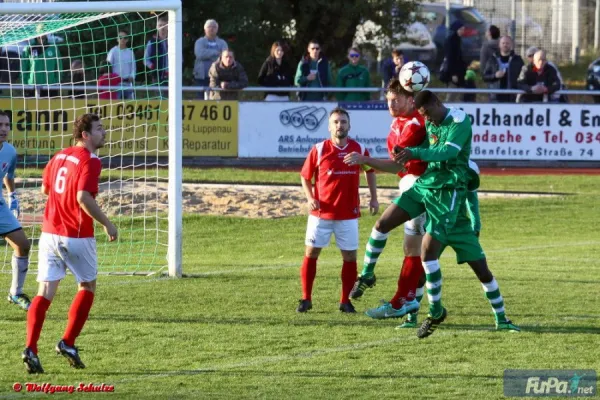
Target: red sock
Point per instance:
(411, 272)
(35, 320)
(78, 315)
(349, 274)
(308, 271)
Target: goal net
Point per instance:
(121, 61)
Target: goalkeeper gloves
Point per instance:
(13, 204)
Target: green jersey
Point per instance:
(448, 153)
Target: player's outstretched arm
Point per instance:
(91, 208)
(390, 166)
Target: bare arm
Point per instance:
(10, 184)
(372, 183)
(91, 208)
(45, 190)
(308, 192)
(381, 165)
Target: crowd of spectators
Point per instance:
(39, 63)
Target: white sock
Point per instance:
(20, 265)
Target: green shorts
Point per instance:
(464, 242)
(442, 206)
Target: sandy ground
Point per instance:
(252, 201)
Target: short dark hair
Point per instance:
(340, 110)
(425, 98)
(397, 52)
(494, 32)
(83, 123)
(394, 86)
(4, 114)
(125, 31)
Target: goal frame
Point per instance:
(173, 8)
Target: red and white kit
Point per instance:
(67, 239)
(336, 188)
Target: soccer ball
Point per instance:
(414, 76)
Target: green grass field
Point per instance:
(232, 332)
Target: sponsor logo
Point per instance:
(308, 117)
(433, 139)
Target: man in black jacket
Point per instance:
(502, 70)
(453, 54)
(539, 79)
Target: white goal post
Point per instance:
(173, 8)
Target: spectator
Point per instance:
(555, 97)
(226, 73)
(76, 77)
(457, 67)
(41, 65)
(156, 54)
(391, 66)
(276, 71)
(108, 78)
(502, 70)
(122, 60)
(207, 50)
(353, 75)
(539, 79)
(313, 71)
(490, 47)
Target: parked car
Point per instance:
(434, 17)
(593, 78)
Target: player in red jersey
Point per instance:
(334, 205)
(407, 130)
(70, 181)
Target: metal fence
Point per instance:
(566, 29)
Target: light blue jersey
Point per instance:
(8, 163)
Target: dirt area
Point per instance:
(251, 201)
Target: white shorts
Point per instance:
(57, 253)
(416, 226)
(318, 233)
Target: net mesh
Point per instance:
(55, 67)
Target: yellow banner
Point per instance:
(44, 126)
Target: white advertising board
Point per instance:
(500, 131)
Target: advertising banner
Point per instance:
(500, 131)
(44, 126)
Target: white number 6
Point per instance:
(61, 180)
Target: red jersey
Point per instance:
(408, 132)
(336, 184)
(69, 171)
(111, 79)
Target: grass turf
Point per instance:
(232, 331)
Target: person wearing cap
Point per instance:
(539, 79)
(453, 54)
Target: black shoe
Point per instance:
(430, 325)
(32, 362)
(304, 306)
(347, 308)
(70, 353)
(361, 285)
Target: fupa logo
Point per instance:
(310, 117)
(535, 383)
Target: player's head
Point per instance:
(430, 107)
(89, 132)
(4, 126)
(400, 101)
(339, 123)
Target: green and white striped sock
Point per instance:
(433, 275)
(492, 293)
(374, 248)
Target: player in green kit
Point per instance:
(442, 192)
